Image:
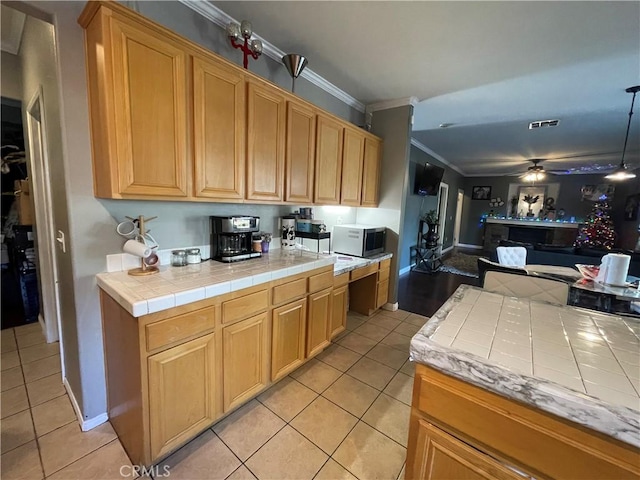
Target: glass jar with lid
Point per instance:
(193, 255)
(178, 258)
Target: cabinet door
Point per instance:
(265, 143)
(218, 131)
(150, 134)
(371, 172)
(182, 393)
(329, 136)
(300, 153)
(244, 360)
(339, 310)
(288, 338)
(319, 322)
(352, 159)
(382, 293)
(440, 456)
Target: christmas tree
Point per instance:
(598, 230)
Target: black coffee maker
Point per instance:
(231, 238)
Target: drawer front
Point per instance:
(364, 271)
(289, 291)
(320, 281)
(385, 264)
(383, 275)
(245, 306)
(340, 280)
(175, 329)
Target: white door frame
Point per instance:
(442, 208)
(457, 225)
(41, 185)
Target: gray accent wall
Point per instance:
(394, 126)
(569, 198)
(416, 205)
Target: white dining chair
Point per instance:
(512, 256)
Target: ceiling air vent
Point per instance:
(543, 123)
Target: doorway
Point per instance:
(41, 181)
(458, 222)
(443, 196)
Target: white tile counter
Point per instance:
(175, 286)
(578, 364)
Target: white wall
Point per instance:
(11, 78)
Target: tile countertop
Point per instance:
(175, 286)
(577, 364)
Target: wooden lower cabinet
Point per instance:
(288, 338)
(382, 293)
(182, 393)
(319, 321)
(444, 457)
(463, 431)
(245, 359)
(339, 305)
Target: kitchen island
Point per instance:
(511, 388)
(189, 345)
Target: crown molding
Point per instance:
(428, 151)
(387, 104)
(222, 19)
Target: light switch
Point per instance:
(60, 238)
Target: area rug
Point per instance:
(461, 264)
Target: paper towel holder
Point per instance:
(143, 269)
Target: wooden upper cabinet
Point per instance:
(218, 130)
(329, 137)
(371, 172)
(300, 153)
(145, 81)
(352, 159)
(265, 143)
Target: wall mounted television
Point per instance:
(428, 178)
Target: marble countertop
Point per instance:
(578, 364)
(175, 286)
(346, 263)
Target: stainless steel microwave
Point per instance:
(359, 240)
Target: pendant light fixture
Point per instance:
(621, 173)
(295, 64)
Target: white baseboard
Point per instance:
(468, 245)
(391, 307)
(85, 425)
(448, 249)
(405, 269)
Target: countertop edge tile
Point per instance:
(616, 421)
(235, 276)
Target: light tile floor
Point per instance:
(343, 415)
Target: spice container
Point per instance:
(178, 258)
(193, 255)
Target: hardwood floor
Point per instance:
(424, 293)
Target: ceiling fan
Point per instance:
(536, 172)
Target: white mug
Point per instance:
(128, 229)
(136, 248)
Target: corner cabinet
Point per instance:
(371, 172)
(218, 131)
(265, 143)
(138, 119)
